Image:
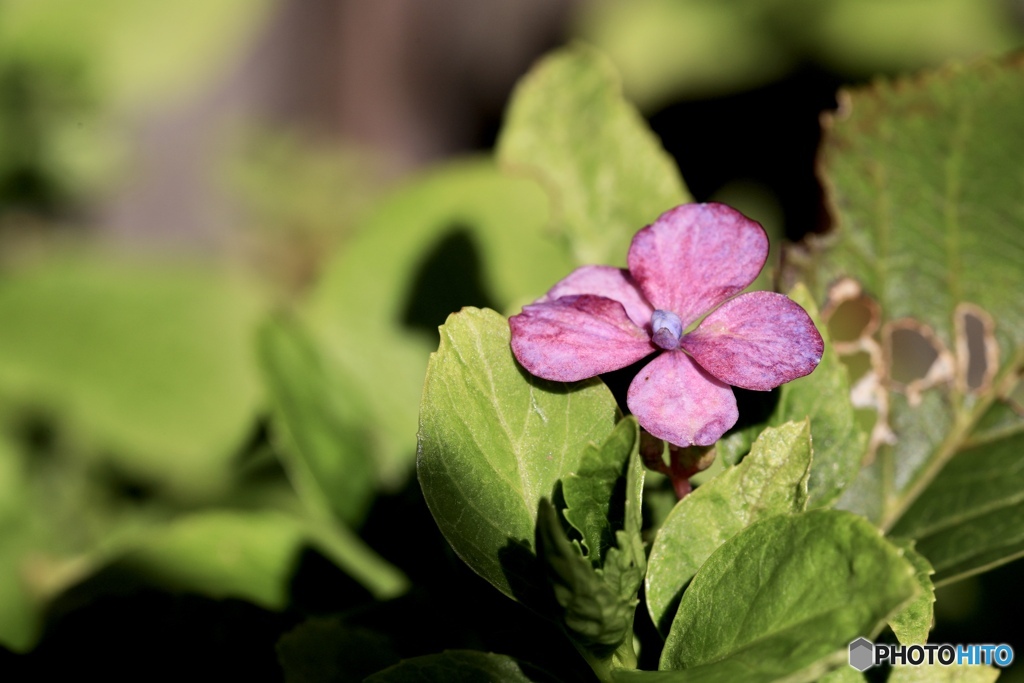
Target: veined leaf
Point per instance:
(771, 480)
(785, 593)
(971, 518)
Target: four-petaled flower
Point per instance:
(694, 259)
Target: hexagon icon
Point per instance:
(862, 654)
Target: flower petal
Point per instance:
(696, 256)
(758, 340)
(607, 281)
(674, 399)
(576, 337)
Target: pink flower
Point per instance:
(690, 263)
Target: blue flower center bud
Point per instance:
(666, 329)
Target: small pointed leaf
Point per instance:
(912, 624)
(595, 495)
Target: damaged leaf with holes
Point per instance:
(923, 181)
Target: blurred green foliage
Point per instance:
(668, 49)
(160, 417)
(130, 352)
(70, 72)
(302, 199)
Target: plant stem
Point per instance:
(624, 657)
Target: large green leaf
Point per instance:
(493, 227)
(569, 126)
(494, 441)
(730, 671)
(771, 480)
(924, 180)
(460, 665)
(971, 518)
(150, 362)
(325, 444)
(786, 593)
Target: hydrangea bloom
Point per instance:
(692, 261)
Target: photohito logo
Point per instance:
(864, 654)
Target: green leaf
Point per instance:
(597, 592)
(844, 674)
(595, 496)
(151, 363)
(971, 518)
(20, 615)
(771, 480)
(494, 441)
(361, 309)
(912, 624)
(326, 449)
(936, 673)
(592, 609)
(823, 397)
(460, 665)
(729, 671)
(569, 126)
(785, 593)
(248, 555)
(326, 650)
(924, 180)
(21, 619)
(222, 555)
